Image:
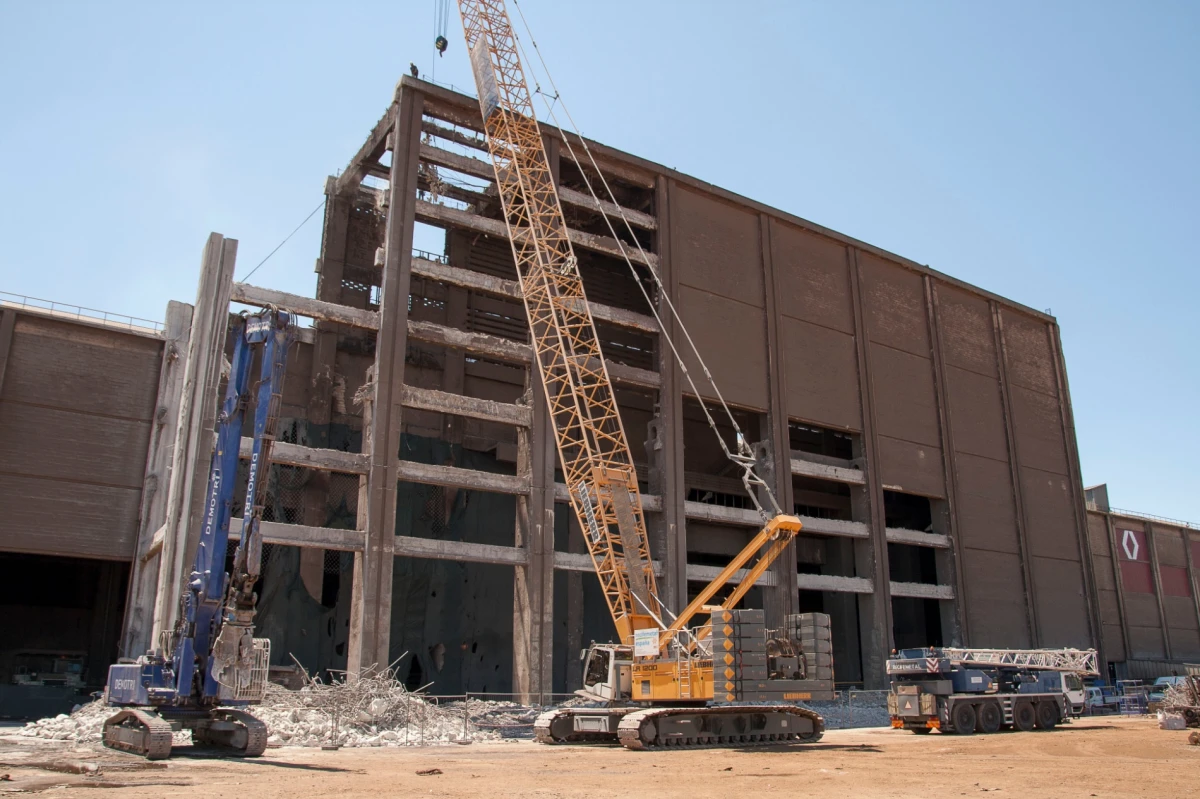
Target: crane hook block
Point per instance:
(441, 44)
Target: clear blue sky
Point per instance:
(1044, 151)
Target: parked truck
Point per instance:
(965, 691)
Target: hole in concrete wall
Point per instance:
(909, 511)
(62, 623)
(816, 440)
(916, 622)
(702, 455)
(912, 564)
(416, 675)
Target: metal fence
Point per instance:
(8, 299)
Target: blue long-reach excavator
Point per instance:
(211, 666)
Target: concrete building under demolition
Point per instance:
(920, 427)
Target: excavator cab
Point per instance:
(607, 672)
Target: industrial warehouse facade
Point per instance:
(920, 427)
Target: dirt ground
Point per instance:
(1090, 758)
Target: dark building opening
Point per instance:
(62, 628)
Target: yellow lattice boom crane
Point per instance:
(665, 683)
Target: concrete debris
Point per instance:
(860, 712)
(84, 725)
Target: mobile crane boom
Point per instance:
(212, 657)
(596, 462)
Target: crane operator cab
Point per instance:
(607, 672)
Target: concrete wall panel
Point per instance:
(1114, 642)
(894, 300)
(822, 374)
(813, 277)
(995, 600)
(1185, 645)
(50, 517)
(1030, 360)
(1062, 604)
(911, 468)
(716, 248)
(1180, 612)
(905, 399)
(733, 340)
(1049, 515)
(1146, 643)
(1098, 536)
(1169, 545)
(967, 339)
(1141, 610)
(1038, 426)
(1110, 607)
(71, 446)
(986, 518)
(977, 414)
(80, 368)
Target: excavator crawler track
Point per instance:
(138, 732)
(720, 726)
(234, 732)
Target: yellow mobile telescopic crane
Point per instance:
(660, 681)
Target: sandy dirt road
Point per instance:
(1090, 758)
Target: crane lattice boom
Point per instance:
(1082, 661)
(592, 446)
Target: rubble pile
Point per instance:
(860, 712)
(368, 711)
(84, 725)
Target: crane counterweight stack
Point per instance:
(659, 661)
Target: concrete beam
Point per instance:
(460, 551)
(718, 514)
(838, 474)
(428, 399)
(511, 289)
(899, 535)
(502, 349)
(610, 209)
(445, 216)
(829, 582)
(330, 460)
(449, 134)
(835, 527)
(305, 306)
(302, 535)
(922, 591)
(455, 477)
(369, 154)
(582, 562)
(706, 574)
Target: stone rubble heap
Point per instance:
(84, 725)
(369, 711)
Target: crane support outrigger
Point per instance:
(661, 677)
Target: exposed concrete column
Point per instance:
(8, 323)
(533, 588)
(945, 516)
(784, 597)
(143, 578)
(1015, 473)
(671, 526)
(371, 611)
(330, 270)
(454, 368)
(1127, 643)
(1192, 567)
(194, 425)
(875, 609)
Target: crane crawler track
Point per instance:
(721, 726)
(138, 732)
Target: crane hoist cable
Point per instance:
(441, 20)
(744, 459)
